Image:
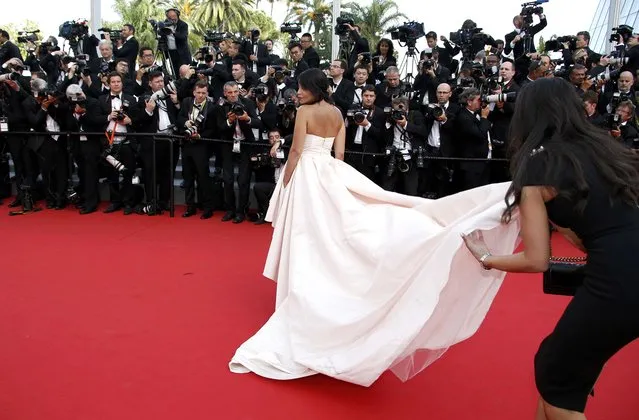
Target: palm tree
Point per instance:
(315, 14)
(137, 13)
(225, 15)
(375, 19)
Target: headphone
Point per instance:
(177, 12)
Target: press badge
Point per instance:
(236, 146)
(405, 155)
(4, 125)
(279, 154)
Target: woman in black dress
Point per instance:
(569, 172)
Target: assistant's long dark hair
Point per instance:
(316, 82)
(549, 113)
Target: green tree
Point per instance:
(13, 29)
(138, 13)
(314, 14)
(541, 47)
(376, 18)
(223, 15)
(267, 26)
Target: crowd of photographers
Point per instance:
(401, 130)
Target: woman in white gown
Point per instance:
(367, 280)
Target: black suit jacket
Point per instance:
(501, 119)
(9, 50)
(312, 58)
(343, 95)
(518, 51)
(373, 140)
(416, 128)
(92, 121)
(208, 126)
(263, 58)
(129, 51)
(360, 46)
(226, 131)
(472, 135)
(132, 111)
(149, 123)
(299, 68)
(447, 131)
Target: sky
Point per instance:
(495, 16)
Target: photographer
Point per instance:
(632, 52)
(471, 40)
(127, 47)
(392, 87)
(364, 125)
(343, 89)
(590, 107)
(197, 120)
(8, 49)
(521, 41)
(444, 55)
(256, 52)
(582, 54)
(14, 90)
(245, 79)
(286, 112)
(502, 113)
(268, 173)
(119, 111)
(106, 62)
(278, 79)
(266, 111)
(236, 118)
(47, 112)
(159, 114)
(436, 178)
(297, 57)
(431, 76)
(361, 79)
(147, 66)
(626, 129)
(614, 94)
(310, 55)
(405, 133)
(360, 44)
(383, 59)
(473, 132)
(177, 40)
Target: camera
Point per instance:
(114, 34)
(428, 64)
(260, 92)
(192, 132)
(394, 114)
(435, 111)
(493, 83)
(72, 30)
(465, 36)
(408, 33)
(9, 76)
(621, 34)
(286, 106)
(280, 72)
(215, 37)
(340, 27)
(262, 160)
(238, 109)
(618, 98)
(366, 58)
(27, 36)
(121, 113)
(291, 28)
(357, 114)
(613, 122)
(530, 9)
(556, 43)
(164, 28)
(163, 93)
(499, 97)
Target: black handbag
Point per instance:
(564, 275)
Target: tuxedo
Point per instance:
(181, 54)
(195, 153)
(240, 133)
(343, 95)
(500, 118)
(9, 50)
(122, 149)
(312, 58)
(370, 140)
(259, 50)
(472, 135)
(129, 51)
(298, 68)
(163, 166)
(526, 45)
(440, 142)
(360, 45)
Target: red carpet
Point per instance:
(114, 317)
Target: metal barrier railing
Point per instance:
(173, 137)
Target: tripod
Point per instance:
(162, 55)
(409, 63)
(345, 46)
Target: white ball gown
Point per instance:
(369, 280)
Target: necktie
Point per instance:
(115, 96)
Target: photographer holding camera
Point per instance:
(236, 118)
(343, 89)
(625, 127)
(521, 41)
(431, 76)
(287, 111)
(364, 125)
(360, 44)
(405, 133)
(392, 87)
(127, 47)
(297, 58)
(615, 93)
(473, 131)
(8, 49)
(256, 52)
(119, 110)
(268, 170)
(197, 120)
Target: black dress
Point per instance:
(603, 316)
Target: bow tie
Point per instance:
(115, 96)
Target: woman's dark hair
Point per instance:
(316, 82)
(550, 115)
(391, 47)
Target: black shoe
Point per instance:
(207, 214)
(259, 221)
(60, 205)
(113, 207)
(15, 203)
(239, 218)
(229, 215)
(190, 211)
(50, 204)
(88, 210)
(128, 210)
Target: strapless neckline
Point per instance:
(319, 137)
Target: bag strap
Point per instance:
(563, 259)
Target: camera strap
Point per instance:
(110, 135)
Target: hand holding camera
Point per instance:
(231, 116)
(150, 105)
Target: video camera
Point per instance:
(465, 36)
(408, 33)
(530, 9)
(114, 34)
(163, 28)
(340, 27)
(291, 28)
(82, 63)
(215, 38)
(27, 36)
(621, 34)
(556, 43)
(72, 30)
